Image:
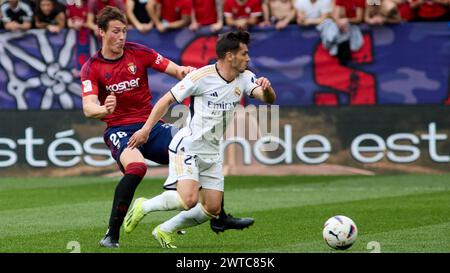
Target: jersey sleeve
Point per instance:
(155, 60)
(184, 88)
(250, 82)
(89, 83)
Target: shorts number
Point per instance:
(188, 160)
(115, 138)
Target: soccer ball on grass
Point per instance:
(340, 232)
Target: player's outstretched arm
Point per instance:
(161, 107)
(92, 109)
(178, 71)
(264, 91)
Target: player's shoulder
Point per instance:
(90, 65)
(202, 73)
(138, 47)
(247, 77)
(247, 74)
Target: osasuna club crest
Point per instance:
(132, 68)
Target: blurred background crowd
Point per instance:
(336, 20)
(163, 15)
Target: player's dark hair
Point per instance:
(230, 42)
(108, 14)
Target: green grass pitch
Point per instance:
(405, 213)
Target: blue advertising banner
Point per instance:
(406, 64)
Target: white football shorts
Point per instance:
(207, 171)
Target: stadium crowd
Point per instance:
(336, 20)
(144, 15)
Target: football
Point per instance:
(340, 232)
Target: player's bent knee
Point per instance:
(189, 200)
(188, 191)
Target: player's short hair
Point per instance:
(231, 41)
(108, 14)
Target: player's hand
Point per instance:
(138, 138)
(110, 103)
(184, 70)
(263, 82)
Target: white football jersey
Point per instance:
(213, 101)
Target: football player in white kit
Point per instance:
(195, 161)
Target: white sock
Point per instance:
(188, 218)
(168, 200)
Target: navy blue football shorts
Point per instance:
(155, 149)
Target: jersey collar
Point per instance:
(110, 60)
(218, 73)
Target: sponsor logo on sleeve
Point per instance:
(87, 86)
(159, 59)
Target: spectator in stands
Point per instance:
(1, 18)
(207, 13)
(32, 4)
(434, 10)
(386, 13)
(408, 8)
(170, 14)
(347, 14)
(95, 6)
(138, 15)
(312, 12)
(16, 15)
(50, 15)
(76, 12)
(279, 13)
(242, 13)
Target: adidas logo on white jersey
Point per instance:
(214, 94)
